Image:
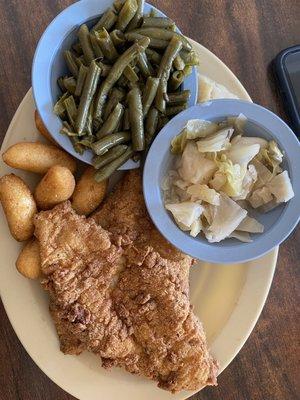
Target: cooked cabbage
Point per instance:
(186, 213)
(268, 206)
(216, 142)
(182, 194)
(242, 236)
(280, 186)
(218, 177)
(195, 167)
(271, 156)
(249, 141)
(250, 225)
(209, 213)
(242, 154)
(228, 216)
(196, 227)
(218, 181)
(194, 129)
(234, 175)
(238, 122)
(204, 193)
(248, 183)
(180, 183)
(263, 174)
(260, 196)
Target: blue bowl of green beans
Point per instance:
(50, 65)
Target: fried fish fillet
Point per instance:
(118, 289)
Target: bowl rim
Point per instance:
(206, 251)
(58, 29)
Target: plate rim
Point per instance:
(264, 291)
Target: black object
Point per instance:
(287, 67)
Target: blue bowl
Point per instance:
(279, 223)
(49, 65)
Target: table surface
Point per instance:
(246, 35)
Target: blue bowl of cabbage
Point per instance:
(221, 181)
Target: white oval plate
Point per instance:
(228, 298)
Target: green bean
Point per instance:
(144, 65)
(70, 84)
(60, 82)
(115, 73)
(88, 92)
(176, 80)
(101, 146)
(178, 98)
(162, 121)
(130, 74)
(189, 57)
(149, 94)
(77, 145)
(104, 68)
(106, 44)
(59, 107)
(173, 110)
(126, 14)
(77, 48)
(156, 43)
(117, 37)
(115, 96)
(151, 125)
(136, 20)
(67, 131)
(71, 109)
(133, 85)
(126, 123)
(174, 46)
(120, 124)
(80, 80)
(136, 119)
(107, 21)
(178, 63)
(157, 22)
(187, 70)
(112, 122)
(96, 45)
(70, 60)
(118, 4)
(85, 142)
(85, 41)
(108, 169)
(171, 52)
(122, 82)
(89, 121)
(163, 34)
(109, 156)
(80, 61)
(152, 13)
(153, 56)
